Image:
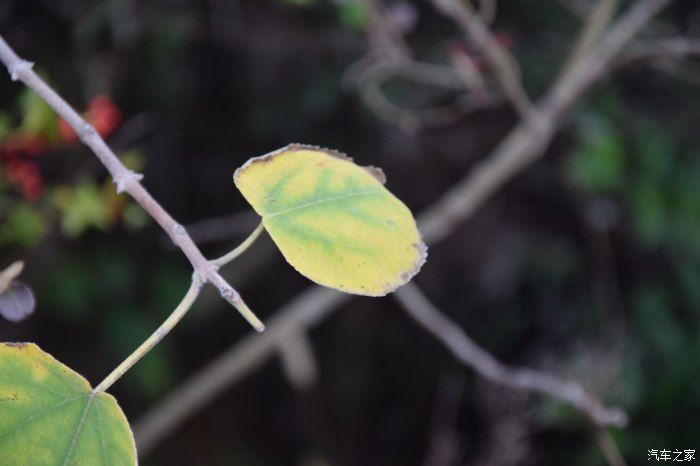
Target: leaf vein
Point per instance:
(321, 201)
(38, 414)
(102, 438)
(78, 429)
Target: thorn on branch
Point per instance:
(19, 67)
(121, 181)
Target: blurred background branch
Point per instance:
(504, 65)
(417, 305)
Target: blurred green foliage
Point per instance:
(24, 225)
(640, 163)
(354, 15)
(37, 118)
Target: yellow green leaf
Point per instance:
(50, 417)
(333, 220)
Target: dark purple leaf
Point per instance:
(17, 302)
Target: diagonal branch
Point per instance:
(594, 27)
(597, 62)
(126, 180)
(469, 353)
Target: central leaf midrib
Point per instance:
(78, 428)
(321, 201)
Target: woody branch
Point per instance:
(125, 179)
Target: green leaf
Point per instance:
(354, 15)
(5, 125)
(334, 221)
(38, 118)
(81, 208)
(50, 417)
(649, 211)
(598, 164)
(655, 151)
(24, 226)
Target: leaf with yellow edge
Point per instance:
(50, 417)
(333, 220)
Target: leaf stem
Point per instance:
(241, 248)
(153, 340)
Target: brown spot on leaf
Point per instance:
(325, 150)
(14, 344)
(13, 397)
(289, 148)
(377, 173)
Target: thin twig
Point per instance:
(502, 62)
(125, 180)
(487, 10)
(298, 360)
(155, 338)
(241, 248)
(222, 227)
(431, 74)
(468, 352)
(661, 50)
(609, 448)
(597, 62)
(370, 72)
(301, 313)
(389, 57)
(594, 27)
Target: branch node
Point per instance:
(230, 295)
(121, 181)
(19, 67)
(179, 230)
(86, 131)
(198, 279)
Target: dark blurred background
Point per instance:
(586, 265)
